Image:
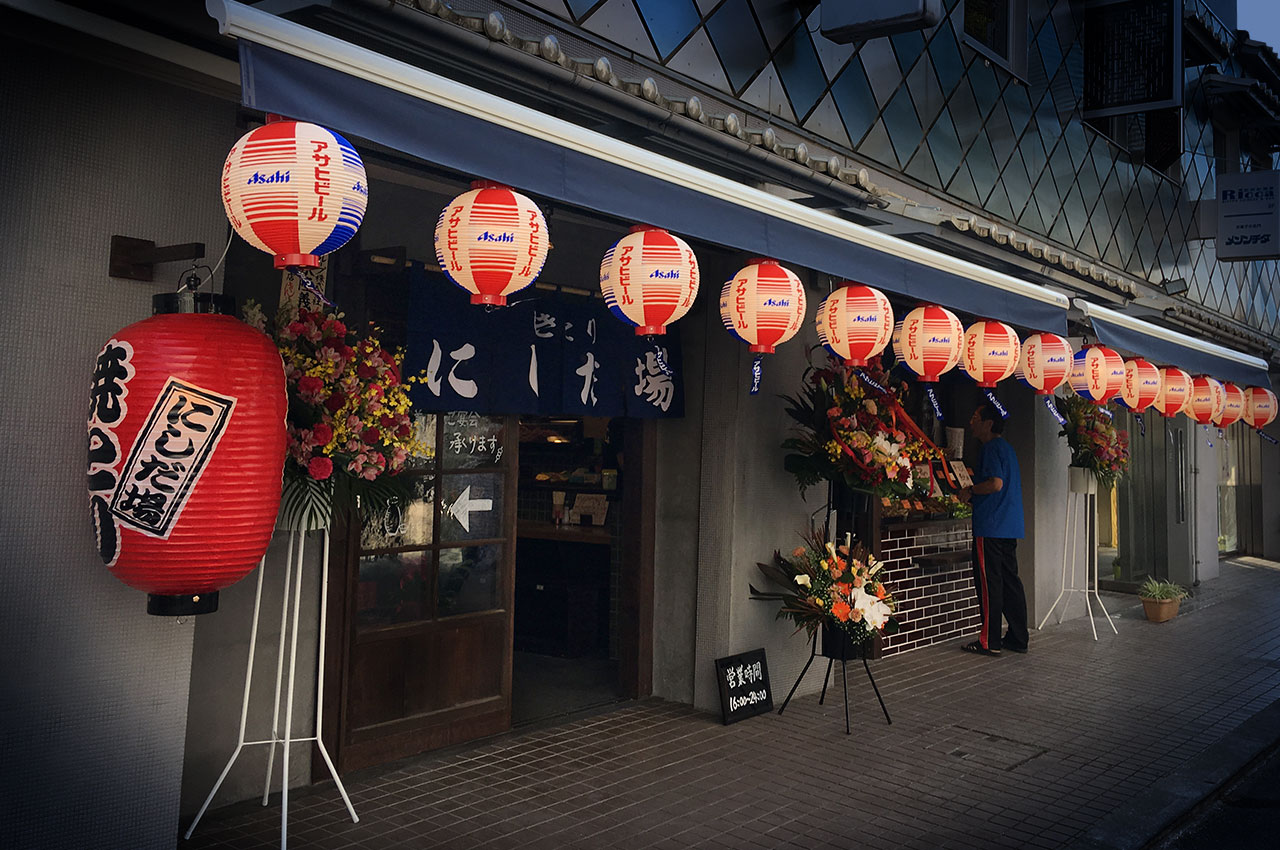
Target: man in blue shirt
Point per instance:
(997, 528)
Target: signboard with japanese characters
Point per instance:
(543, 354)
(1249, 216)
(744, 686)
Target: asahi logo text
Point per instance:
(278, 177)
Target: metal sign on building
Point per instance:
(1132, 56)
(1249, 216)
(849, 22)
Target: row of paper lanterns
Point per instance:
(492, 241)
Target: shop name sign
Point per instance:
(1249, 216)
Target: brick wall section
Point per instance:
(934, 604)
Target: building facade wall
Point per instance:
(94, 705)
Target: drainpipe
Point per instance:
(613, 102)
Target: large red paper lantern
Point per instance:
(294, 190)
(186, 449)
(930, 341)
(1175, 388)
(1259, 407)
(990, 352)
(491, 241)
(1232, 406)
(1141, 385)
(763, 305)
(649, 279)
(1206, 399)
(1044, 363)
(855, 323)
(1097, 373)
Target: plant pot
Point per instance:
(1081, 480)
(1159, 610)
(837, 644)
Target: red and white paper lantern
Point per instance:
(649, 279)
(1045, 362)
(1141, 385)
(186, 449)
(1175, 389)
(1097, 373)
(1206, 399)
(990, 352)
(294, 190)
(1259, 407)
(491, 241)
(930, 341)
(1232, 406)
(855, 323)
(763, 305)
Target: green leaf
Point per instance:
(306, 504)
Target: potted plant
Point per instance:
(1160, 599)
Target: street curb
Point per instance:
(1151, 815)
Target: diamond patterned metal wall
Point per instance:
(926, 105)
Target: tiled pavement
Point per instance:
(1024, 751)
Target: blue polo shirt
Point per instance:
(999, 514)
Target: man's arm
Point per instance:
(985, 488)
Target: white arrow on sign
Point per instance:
(461, 509)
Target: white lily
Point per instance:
(804, 581)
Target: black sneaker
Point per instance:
(1012, 647)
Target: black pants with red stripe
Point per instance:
(1000, 593)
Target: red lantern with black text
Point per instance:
(1141, 385)
(855, 323)
(1259, 407)
(1044, 363)
(1206, 399)
(763, 305)
(990, 352)
(186, 449)
(1232, 406)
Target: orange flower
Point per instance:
(844, 589)
(797, 552)
(881, 593)
(840, 609)
(858, 581)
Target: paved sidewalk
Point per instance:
(1023, 751)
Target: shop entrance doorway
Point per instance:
(1154, 505)
(569, 545)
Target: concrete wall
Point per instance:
(94, 698)
(1205, 462)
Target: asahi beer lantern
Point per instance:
(763, 305)
(1141, 385)
(1044, 363)
(855, 323)
(186, 446)
(1175, 388)
(930, 341)
(491, 241)
(1097, 374)
(649, 279)
(1206, 399)
(990, 352)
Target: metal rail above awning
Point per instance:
(293, 70)
(1169, 348)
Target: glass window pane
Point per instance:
(393, 588)
(471, 507)
(469, 579)
(424, 432)
(472, 440)
(988, 22)
(403, 523)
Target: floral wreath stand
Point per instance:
(1082, 493)
(836, 645)
(298, 523)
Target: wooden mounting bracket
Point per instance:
(136, 259)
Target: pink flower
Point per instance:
(320, 468)
(310, 388)
(322, 434)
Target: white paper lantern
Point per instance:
(491, 241)
(649, 279)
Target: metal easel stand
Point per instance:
(1091, 568)
(813, 651)
(293, 573)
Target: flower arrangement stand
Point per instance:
(290, 606)
(1082, 493)
(844, 650)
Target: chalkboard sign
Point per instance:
(744, 686)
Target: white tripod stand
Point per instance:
(293, 573)
(1083, 492)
